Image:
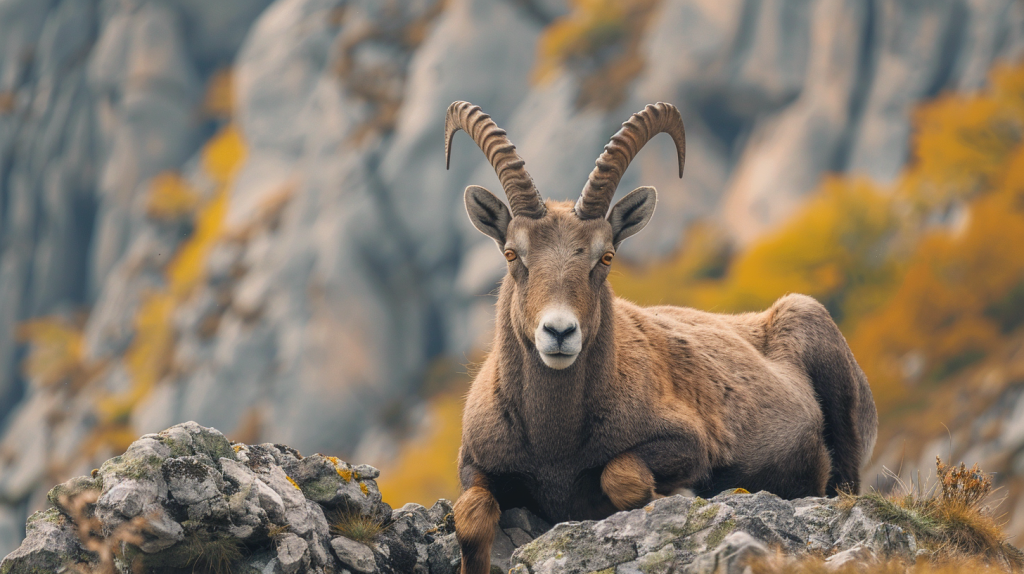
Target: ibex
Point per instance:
(588, 404)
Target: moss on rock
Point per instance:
(143, 468)
(71, 489)
(320, 490)
(719, 532)
(214, 445)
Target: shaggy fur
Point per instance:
(476, 512)
(658, 398)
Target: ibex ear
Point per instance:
(487, 213)
(632, 213)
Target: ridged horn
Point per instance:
(623, 147)
(523, 197)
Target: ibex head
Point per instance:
(559, 254)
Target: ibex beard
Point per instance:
(588, 404)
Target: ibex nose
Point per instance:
(560, 332)
(559, 337)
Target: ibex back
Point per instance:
(589, 404)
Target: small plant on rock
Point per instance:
(104, 550)
(275, 530)
(355, 526)
(213, 554)
(954, 517)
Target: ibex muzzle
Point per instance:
(558, 337)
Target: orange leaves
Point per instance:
(172, 197)
(955, 301)
(149, 358)
(834, 250)
(692, 277)
(222, 157)
(947, 308)
(591, 25)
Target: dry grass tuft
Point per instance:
(211, 554)
(275, 530)
(954, 517)
(104, 549)
(355, 526)
(967, 520)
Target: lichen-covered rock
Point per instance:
(64, 492)
(187, 499)
(51, 543)
(732, 555)
(720, 535)
(335, 483)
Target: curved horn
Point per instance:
(625, 144)
(523, 197)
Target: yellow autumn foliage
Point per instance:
(426, 468)
(149, 357)
(187, 268)
(589, 26)
(224, 154)
(962, 290)
(601, 39)
(834, 250)
(171, 197)
(917, 300)
(221, 158)
(56, 350)
(962, 142)
(960, 295)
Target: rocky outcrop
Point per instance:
(682, 534)
(186, 499)
(344, 264)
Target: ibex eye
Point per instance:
(510, 255)
(607, 258)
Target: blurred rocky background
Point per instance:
(237, 213)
